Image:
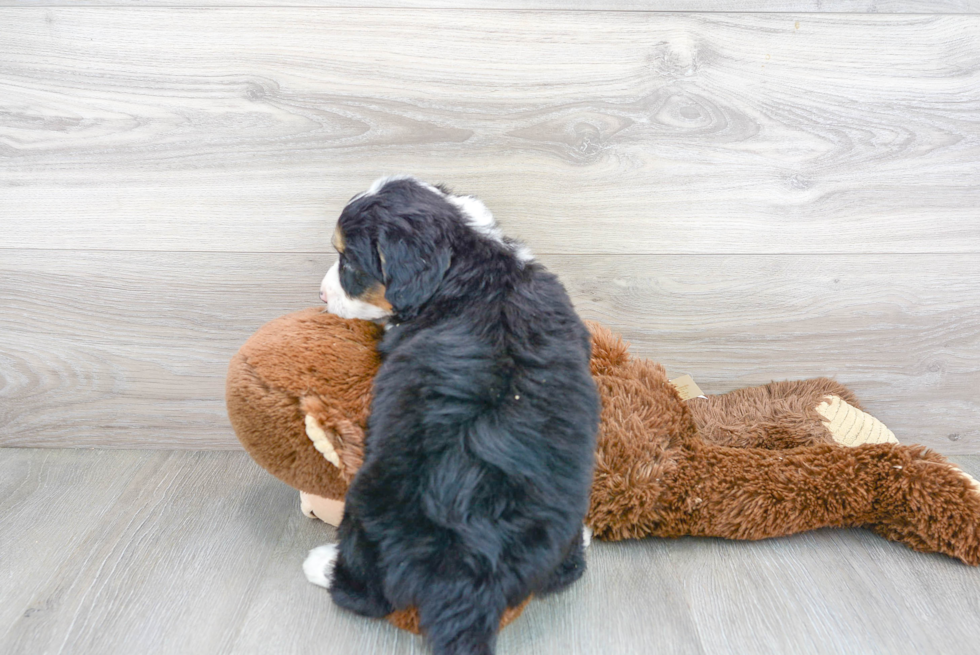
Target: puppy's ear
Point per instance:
(412, 268)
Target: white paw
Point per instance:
(586, 536)
(318, 565)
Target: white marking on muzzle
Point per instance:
(339, 303)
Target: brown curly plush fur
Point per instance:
(302, 363)
(751, 464)
(777, 415)
(759, 463)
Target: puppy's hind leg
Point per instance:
(571, 568)
(356, 582)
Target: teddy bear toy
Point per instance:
(754, 463)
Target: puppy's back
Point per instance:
(479, 459)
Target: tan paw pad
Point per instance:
(328, 510)
(971, 479)
(851, 427)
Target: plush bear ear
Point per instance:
(339, 440)
(413, 266)
(352, 449)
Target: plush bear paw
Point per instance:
(318, 565)
(972, 480)
(851, 427)
(306, 506)
(328, 510)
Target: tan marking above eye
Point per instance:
(338, 239)
(375, 295)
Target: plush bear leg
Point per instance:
(910, 494)
(905, 493)
(932, 506)
(788, 414)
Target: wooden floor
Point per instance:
(154, 552)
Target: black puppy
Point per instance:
(480, 446)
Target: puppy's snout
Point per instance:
(325, 285)
(339, 303)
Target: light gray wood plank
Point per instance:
(742, 6)
(300, 618)
(201, 553)
(168, 568)
(592, 617)
(247, 129)
(51, 503)
(629, 601)
(846, 591)
(842, 591)
(130, 349)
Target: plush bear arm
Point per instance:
(787, 415)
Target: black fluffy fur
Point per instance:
(481, 438)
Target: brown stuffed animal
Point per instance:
(755, 463)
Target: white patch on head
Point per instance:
(339, 303)
(379, 183)
(476, 214)
(522, 252)
(479, 217)
(318, 565)
(586, 536)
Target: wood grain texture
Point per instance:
(130, 349)
(51, 504)
(837, 585)
(792, 6)
(121, 552)
(163, 567)
(247, 129)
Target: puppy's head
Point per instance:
(394, 247)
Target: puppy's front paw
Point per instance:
(318, 565)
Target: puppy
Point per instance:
(480, 446)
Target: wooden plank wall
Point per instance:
(776, 193)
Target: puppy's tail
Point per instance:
(461, 617)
